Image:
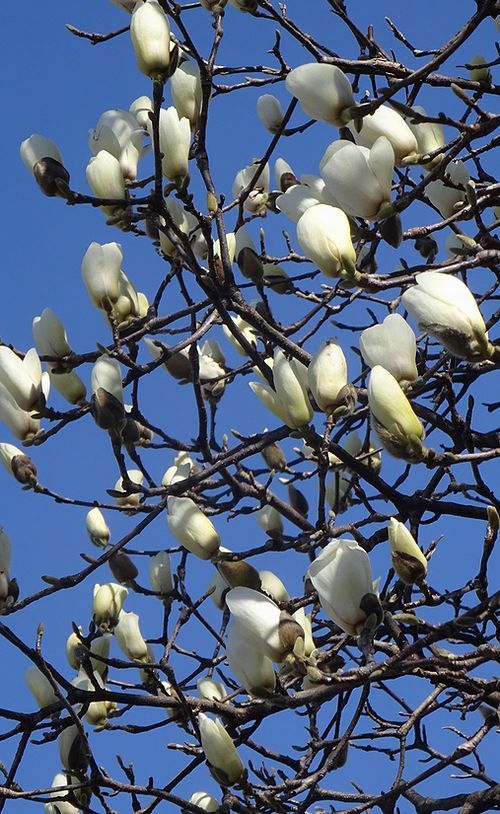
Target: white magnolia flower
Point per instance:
(99, 649)
(327, 377)
(22, 378)
(192, 528)
(289, 400)
(429, 136)
(183, 220)
(336, 491)
(360, 179)
(118, 132)
(105, 178)
(269, 629)
(393, 345)
(107, 603)
(408, 560)
(150, 35)
(131, 499)
(219, 749)
(203, 799)
(324, 92)
(160, 574)
(389, 123)
(40, 687)
(129, 637)
(304, 620)
(398, 428)
(141, 108)
(296, 200)
(185, 87)
(249, 665)
(448, 196)
(324, 235)
(210, 689)
(21, 423)
(126, 5)
(71, 751)
(445, 308)
(257, 199)
(269, 112)
(175, 141)
(342, 577)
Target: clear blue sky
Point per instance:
(58, 86)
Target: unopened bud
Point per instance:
(239, 573)
(122, 568)
(107, 410)
(24, 470)
(52, 177)
(298, 500)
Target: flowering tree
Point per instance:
(271, 303)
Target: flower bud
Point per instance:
(220, 751)
(256, 201)
(61, 805)
(101, 274)
(289, 400)
(327, 377)
(107, 604)
(324, 92)
(210, 689)
(389, 123)
(160, 574)
(5, 552)
(408, 560)
(97, 528)
(40, 687)
(251, 668)
(122, 568)
(480, 72)
(274, 457)
(129, 499)
(342, 577)
(247, 332)
(429, 137)
(192, 528)
(75, 649)
(270, 521)
(20, 466)
(202, 799)
(41, 157)
(105, 178)
(106, 404)
(141, 108)
(50, 335)
(185, 87)
(272, 585)
(269, 112)
(285, 176)
(448, 196)
(175, 141)
(391, 344)
(129, 637)
(97, 711)
(445, 308)
(398, 428)
(150, 35)
(324, 235)
(72, 750)
(272, 631)
(237, 572)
